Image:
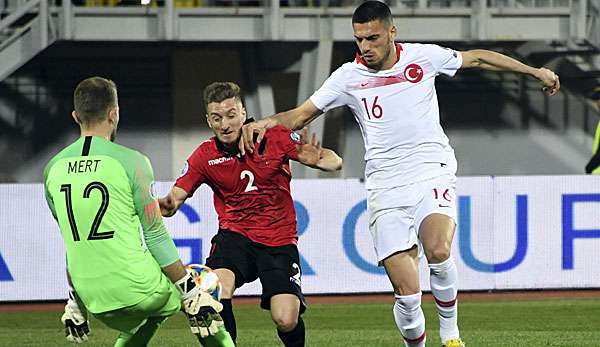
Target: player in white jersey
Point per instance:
(410, 166)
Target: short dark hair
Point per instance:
(93, 98)
(370, 11)
(219, 91)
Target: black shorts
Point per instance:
(278, 268)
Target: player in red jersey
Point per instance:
(257, 222)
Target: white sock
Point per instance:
(443, 278)
(410, 319)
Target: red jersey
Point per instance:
(252, 193)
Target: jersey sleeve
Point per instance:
(596, 148)
(192, 175)
(50, 202)
(445, 60)
(331, 93)
(49, 199)
(157, 238)
(594, 162)
(288, 140)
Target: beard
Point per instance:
(374, 66)
(379, 65)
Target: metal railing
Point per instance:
(23, 33)
(593, 28)
(9, 5)
(479, 11)
(10, 33)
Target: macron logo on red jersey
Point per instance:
(219, 161)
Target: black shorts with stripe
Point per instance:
(278, 268)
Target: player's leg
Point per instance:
(436, 223)
(143, 335)
(231, 258)
(285, 312)
(391, 220)
(137, 324)
(402, 269)
(437, 232)
(227, 278)
(280, 275)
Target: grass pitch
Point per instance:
(499, 323)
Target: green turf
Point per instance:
(565, 323)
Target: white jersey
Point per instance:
(397, 111)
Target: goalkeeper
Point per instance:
(99, 193)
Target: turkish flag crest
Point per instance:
(413, 73)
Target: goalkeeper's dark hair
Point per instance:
(93, 98)
(219, 91)
(370, 11)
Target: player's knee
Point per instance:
(438, 254)
(405, 284)
(227, 278)
(227, 292)
(286, 321)
(406, 288)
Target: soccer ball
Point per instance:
(206, 279)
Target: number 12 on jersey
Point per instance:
(94, 234)
(376, 109)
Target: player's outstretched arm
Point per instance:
(494, 61)
(294, 119)
(170, 203)
(310, 153)
(202, 310)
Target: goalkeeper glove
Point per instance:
(75, 321)
(200, 307)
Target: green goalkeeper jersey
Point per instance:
(596, 151)
(100, 193)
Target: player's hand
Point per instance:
(167, 206)
(76, 323)
(309, 153)
(200, 307)
(207, 320)
(549, 80)
(252, 135)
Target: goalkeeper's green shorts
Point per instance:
(145, 317)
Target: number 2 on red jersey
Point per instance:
(250, 186)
